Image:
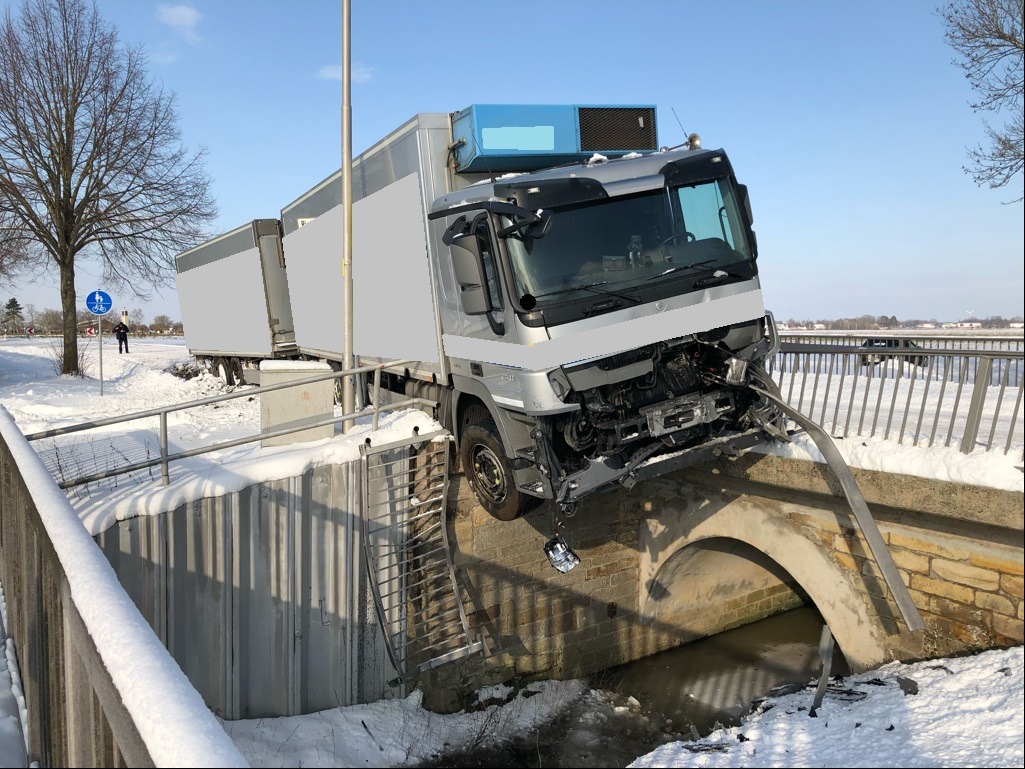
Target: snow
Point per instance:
(39, 400)
(946, 463)
(12, 699)
(952, 712)
(396, 732)
(232, 470)
(970, 715)
(142, 670)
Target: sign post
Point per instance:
(99, 303)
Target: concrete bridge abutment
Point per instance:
(698, 552)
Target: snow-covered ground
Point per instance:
(966, 711)
(951, 712)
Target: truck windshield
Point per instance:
(627, 241)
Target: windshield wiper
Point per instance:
(688, 267)
(718, 277)
(593, 288)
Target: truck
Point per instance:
(583, 305)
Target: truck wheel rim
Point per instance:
(487, 470)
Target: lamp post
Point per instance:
(348, 383)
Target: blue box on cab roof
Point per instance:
(498, 138)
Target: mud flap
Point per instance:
(859, 507)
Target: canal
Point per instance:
(632, 709)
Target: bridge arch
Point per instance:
(705, 564)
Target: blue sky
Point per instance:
(848, 121)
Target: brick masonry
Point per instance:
(965, 576)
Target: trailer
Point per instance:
(234, 299)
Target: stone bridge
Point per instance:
(702, 551)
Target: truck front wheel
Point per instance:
(490, 475)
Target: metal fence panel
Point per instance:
(261, 595)
(197, 598)
(916, 396)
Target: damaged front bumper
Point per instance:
(601, 474)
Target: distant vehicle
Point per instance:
(872, 359)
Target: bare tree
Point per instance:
(48, 322)
(92, 166)
(988, 36)
(161, 324)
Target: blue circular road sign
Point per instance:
(99, 302)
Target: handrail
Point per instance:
(162, 411)
(792, 346)
(239, 442)
(212, 399)
(94, 673)
(924, 394)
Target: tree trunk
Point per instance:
(69, 363)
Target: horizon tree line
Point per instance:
(17, 319)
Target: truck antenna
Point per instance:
(678, 122)
(693, 140)
(686, 142)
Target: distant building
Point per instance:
(963, 324)
(926, 325)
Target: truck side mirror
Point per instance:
(745, 201)
(469, 267)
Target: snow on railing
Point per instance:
(139, 455)
(82, 639)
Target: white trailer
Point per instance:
(234, 299)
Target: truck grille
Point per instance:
(617, 128)
(626, 358)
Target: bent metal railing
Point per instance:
(928, 397)
(373, 410)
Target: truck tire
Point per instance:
(489, 473)
(222, 370)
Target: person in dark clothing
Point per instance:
(121, 332)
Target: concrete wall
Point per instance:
(696, 553)
(260, 595)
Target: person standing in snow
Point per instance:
(121, 332)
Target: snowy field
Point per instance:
(965, 712)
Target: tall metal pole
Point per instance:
(348, 383)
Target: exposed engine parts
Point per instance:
(679, 394)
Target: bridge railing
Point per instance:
(917, 396)
(100, 689)
(133, 452)
(1005, 342)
